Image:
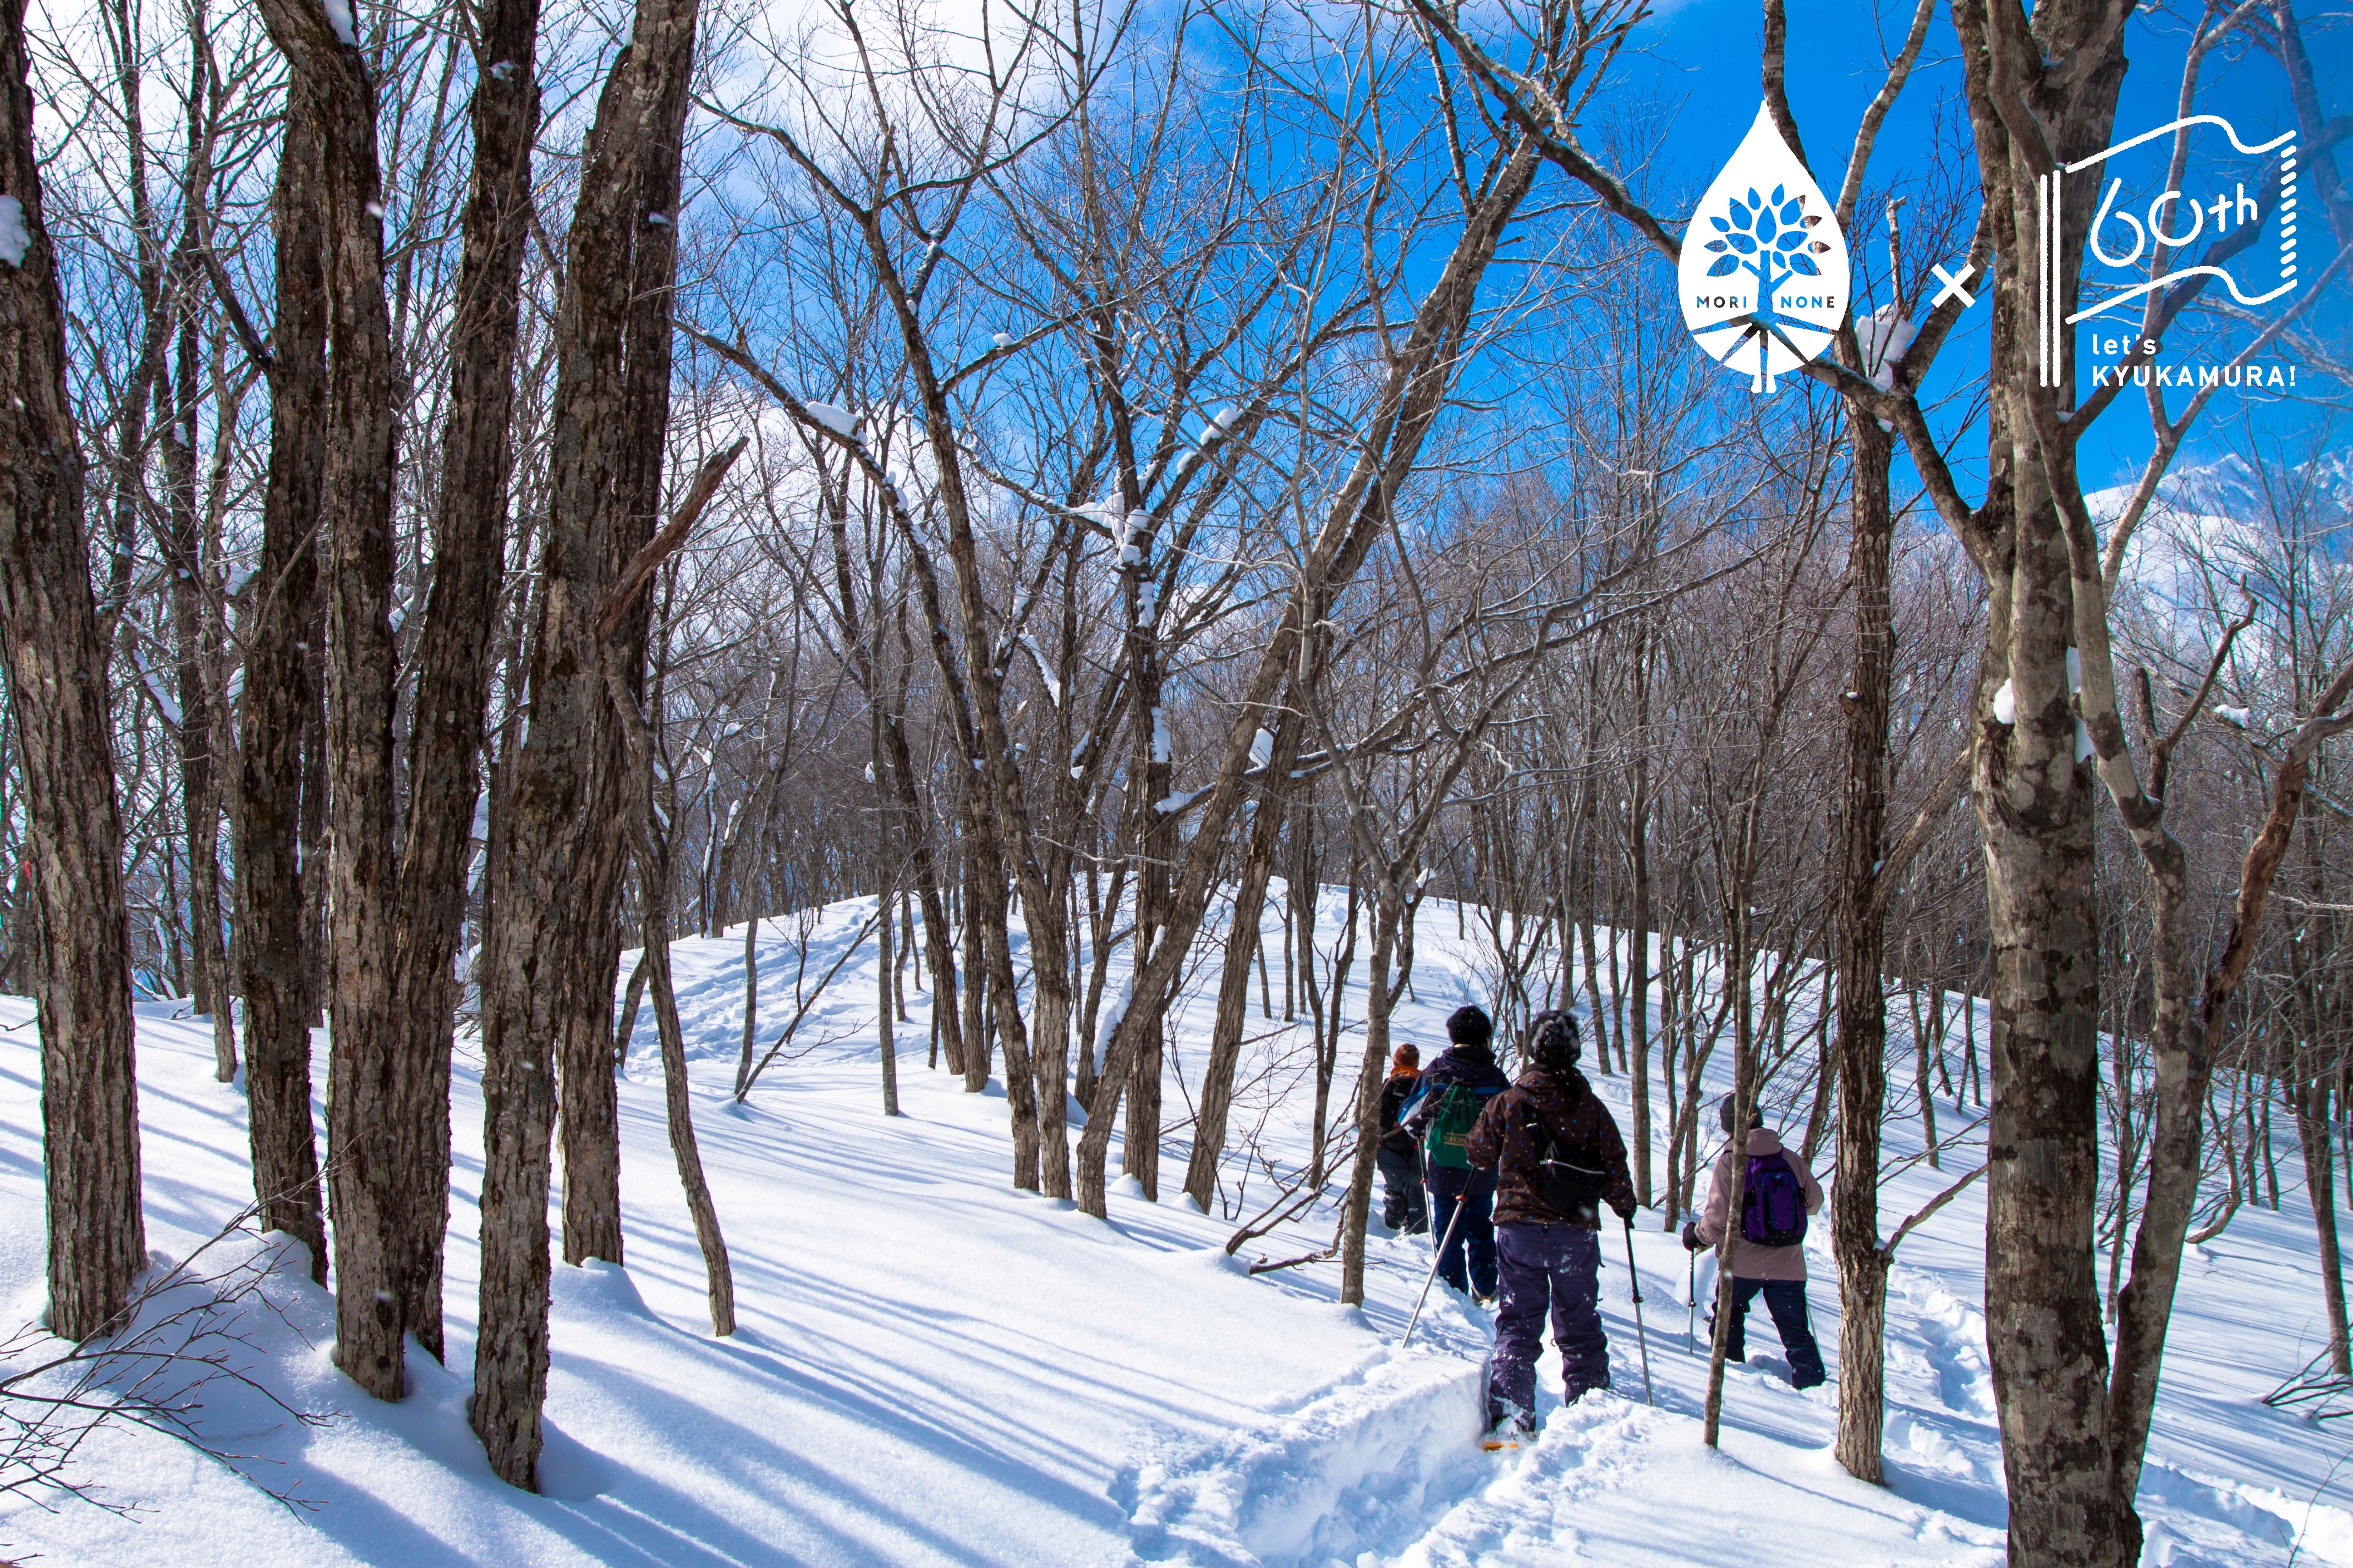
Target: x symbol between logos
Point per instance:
(1952, 282)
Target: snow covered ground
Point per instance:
(934, 1369)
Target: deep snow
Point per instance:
(932, 1368)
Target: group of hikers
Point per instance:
(1512, 1178)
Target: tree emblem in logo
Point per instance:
(1764, 268)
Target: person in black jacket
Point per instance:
(1560, 1159)
(1464, 1077)
(1398, 1158)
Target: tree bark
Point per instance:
(1233, 981)
(453, 651)
(1637, 835)
(182, 553)
(273, 905)
(1356, 1216)
(2312, 1133)
(1860, 1052)
(542, 995)
(718, 1274)
(332, 88)
(1739, 967)
(2057, 76)
(57, 668)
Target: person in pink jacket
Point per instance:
(1770, 1258)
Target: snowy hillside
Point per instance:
(933, 1369)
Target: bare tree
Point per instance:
(56, 688)
(548, 976)
(335, 89)
(281, 706)
(454, 651)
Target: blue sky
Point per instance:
(1702, 57)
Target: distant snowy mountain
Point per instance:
(2233, 489)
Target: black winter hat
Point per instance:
(1470, 1026)
(1552, 1039)
(1724, 1109)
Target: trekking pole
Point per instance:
(1451, 1220)
(1634, 1276)
(1691, 1323)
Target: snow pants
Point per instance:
(1474, 1237)
(1403, 1209)
(1545, 1265)
(1786, 1301)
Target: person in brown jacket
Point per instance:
(1560, 1159)
(1770, 1257)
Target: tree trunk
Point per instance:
(1356, 1215)
(274, 935)
(751, 998)
(641, 229)
(1233, 981)
(980, 1049)
(889, 1048)
(1638, 834)
(183, 553)
(1738, 969)
(543, 993)
(330, 84)
(2312, 1133)
(1921, 1085)
(2047, 1342)
(311, 826)
(1151, 777)
(453, 651)
(635, 794)
(719, 1273)
(1860, 1052)
(57, 670)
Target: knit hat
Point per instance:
(1552, 1039)
(1407, 1055)
(1470, 1026)
(1724, 1114)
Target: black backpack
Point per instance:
(1568, 1187)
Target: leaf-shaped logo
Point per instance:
(1763, 277)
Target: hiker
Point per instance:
(1403, 1208)
(1778, 1195)
(1559, 1158)
(1453, 1090)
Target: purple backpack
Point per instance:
(1772, 1203)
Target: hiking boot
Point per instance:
(1486, 1300)
(1572, 1395)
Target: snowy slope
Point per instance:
(934, 1369)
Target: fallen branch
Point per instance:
(152, 1370)
(803, 1011)
(1887, 1248)
(1325, 1255)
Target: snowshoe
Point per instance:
(1508, 1433)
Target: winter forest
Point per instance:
(737, 736)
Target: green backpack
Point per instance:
(1448, 1136)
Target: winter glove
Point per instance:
(1692, 1242)
(1625, 1210)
